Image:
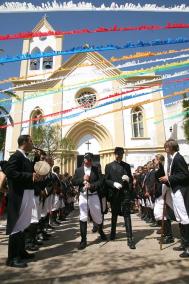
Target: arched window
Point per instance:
(35, 127)
(48, 61)
(35, 63)
(137, 118)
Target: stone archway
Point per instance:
(98, 131)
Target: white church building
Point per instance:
(128, 123)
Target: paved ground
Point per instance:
(59, 261)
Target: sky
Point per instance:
(11, 23)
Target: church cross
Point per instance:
(88, 143)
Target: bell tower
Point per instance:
(41, 68)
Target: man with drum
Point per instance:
(21, 178)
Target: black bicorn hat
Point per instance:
(118, 150)
(88, 156)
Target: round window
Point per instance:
(86, 99)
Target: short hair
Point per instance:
(160, 158)
(22, 139)
(118, 151)
(56, 168)
(172, 144)
(88, 156)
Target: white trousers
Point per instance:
(36, 210)
(47, 206)
(179, 208)
(62, 204)
(93, 206)
(25, 213)
(55, 202)
(149, 203)
(158, 208)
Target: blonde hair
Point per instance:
(160, 158)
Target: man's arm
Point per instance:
(13, 170)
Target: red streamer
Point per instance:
(115, 28)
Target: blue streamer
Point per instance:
(74, 50)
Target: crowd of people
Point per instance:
(39, 197)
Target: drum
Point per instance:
(42, 168)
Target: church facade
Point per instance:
(80, 90)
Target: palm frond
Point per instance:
(2, 109)
(11, 94)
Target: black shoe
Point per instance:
(180, 248)
(16, 262)
(103, 236)
(112, 236)
(167, 240)
(27, 255)
(153, 225)
(43, 237)
(94, 229)
(32, 247)
(148, 221)
(185, 253)
(50, 227)
(38, 242)
(158, 231)
(82, 245)
(131, 244)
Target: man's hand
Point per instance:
(125, 178)
(37, 177)
(86, 177)
(164, 179)
(117, 185)
(87, 185)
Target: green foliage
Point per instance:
(185, 105)
(49, 139)
(67, 144)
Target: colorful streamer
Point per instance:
(116, 110)
(129, 74)
(76, 50)
(112, 59)
(99, 106)
(115, 28)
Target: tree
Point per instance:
(2, 133)
(185, 104)
(49, 139)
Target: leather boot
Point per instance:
(185, 254)
(101, 232)
(83, 232)
(23, 253)
(181, 247)
(113, 227)
(14, 258)
(129, 234)
(31, 232)
(168, 235)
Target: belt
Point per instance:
(94, 193)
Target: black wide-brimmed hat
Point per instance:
(88, 156)
(119, 150)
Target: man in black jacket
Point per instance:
(21, 178)
(119, 180)
(87, 177)
(178, 180)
